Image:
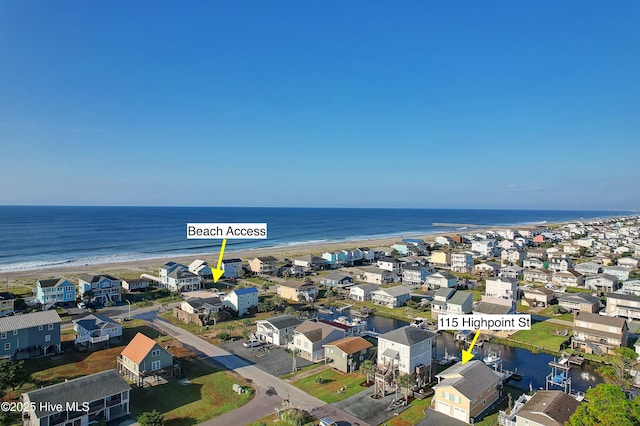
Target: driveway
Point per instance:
(270, 390)
(270, 358)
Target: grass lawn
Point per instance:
(542, 334)
(547, 312)
(412, 415)
(208, 395)
(522, 308)
(332, 381)
(21, 291)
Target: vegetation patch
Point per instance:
(331, 385)
(543, 335)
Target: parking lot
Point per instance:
(272, 359)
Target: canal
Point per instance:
(533, 367)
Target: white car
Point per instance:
(252, 343)
(82, 305)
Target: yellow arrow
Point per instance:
(466, 354)
(217, 272)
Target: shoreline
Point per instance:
(135, 267)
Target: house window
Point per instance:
(39, 328)
(155, 365)
(50, 327)
(47, 338)
(3, 335)
(155, 352)
(15, 332)
(7, 346)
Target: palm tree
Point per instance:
(215, 316)
(368, 368)
(405, 381)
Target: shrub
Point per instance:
(223, 335)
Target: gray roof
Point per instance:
(578, 298)
(181, 274)
(444, 292)
(198, 302)
(51, 282)
(470, 379)
(337, 276)
(600, 319)
(396, 291)
(284, 321)
(95, 278)
(609, 277)
(492, 308)
(83, 389)
(460, 297)
(407, 335)
(623, 297)
(367, 287)
(96, 322)
(549, 408)
(34, 319)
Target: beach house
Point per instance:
(362, 292)
(84, 400)
(201, 268)
(100, 289)
(617, 271)
(536, 296)
(391, 297)
(310, 337)
(414, 275)
(310, 263)
(198, 310)
(462, 262)
(337, 279)
(598, 334)
(55, 292)
(502, 287)
(391, 264)
(440, 259)
(558, 264)
(7, 304)
(242, 300)
(143, 359)
(532, 262)
(136, 284)
(347, 354)
(297, 291)
(465, 391)
(277, 330)
(545, 408)
(486, 248)
(96, 328)
(375, 275)
(29, 335)
(582, 302)
(537, 275)
(588, 268)
(568, 278)
(601, 283)
(623, 305)
(264, 265)
(441, 279)
(451, 301)
(406, 349)
(487, 269)
(231, 267)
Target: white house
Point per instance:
(391, 264)
(309, 337)
(487, 248)
(362, 292)
(406, 348)
(379, 276)
(391, 297)
(414, 275)
(278, 330)
(242, 299)
(104, 288)
(442, 279)
(177, 277)
(231, 267)
(96, 328)
(621, 272)
(502, 287)
(462, 262)
(201, 268)
(452, 302)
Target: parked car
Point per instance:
(82, 305)
(252, 343)
(327, 422)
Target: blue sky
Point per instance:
(355, 104)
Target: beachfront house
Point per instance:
(414, 275)
(464, 392)
(598, 334)
(264, 265)
(569, 278)
(441, 279)
(451, 301)
(7, 304)
(337, 279)
(533, 262)
(537, 276)
(375, 275)
(242, 300)
(96, 328)
(277, 330)
(55, 292)
(391, 297)
(582, 302)
(462, 262)
(30, 335)
(106, 395)
(347, 354)
(408, 349)
(297, 291)
(100, 289)
(180, 280)
(231, 267)
(144, 359)
(334, 259)
(310, 337)
(601, 283)
(136, 284)
(201, 268)
(310, 263)
(502, 287)
(623, 305)
(362, 292)
(536, 296)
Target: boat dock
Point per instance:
(342, 308)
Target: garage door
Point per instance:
(460, 414)
(443, 407)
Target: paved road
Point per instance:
(270, 390)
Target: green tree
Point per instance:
(12, 375)
(290, 310)
(214, 316)
(88, 295)
(618, 367)
(406, 382)
(151, 418)
(368, 367)
(606, 405)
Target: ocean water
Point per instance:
(33, 237)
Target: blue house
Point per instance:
(104, 288)
(242, 299)
(29, 335)
(55, 291)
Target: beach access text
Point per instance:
(227, 230)
(485, 322)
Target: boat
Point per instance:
(492, 358)
(448, 359)
(324, 310)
